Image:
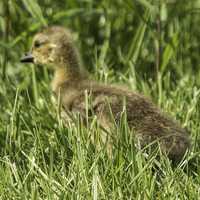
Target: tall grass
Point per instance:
(151, 46)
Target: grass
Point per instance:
(150, 46)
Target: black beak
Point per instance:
(27, 58)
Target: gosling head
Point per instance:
(54, 47)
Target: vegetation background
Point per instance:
(151, 46)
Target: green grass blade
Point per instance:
(137, 40)
(34, 9)
(169, 51)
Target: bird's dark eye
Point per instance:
(37, 44)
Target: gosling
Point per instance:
(55, 47)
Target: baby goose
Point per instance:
(54, 46)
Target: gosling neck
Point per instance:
(67, 77)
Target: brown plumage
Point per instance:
(54, 46)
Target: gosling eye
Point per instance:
(37, 44)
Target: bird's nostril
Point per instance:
(27, 53)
